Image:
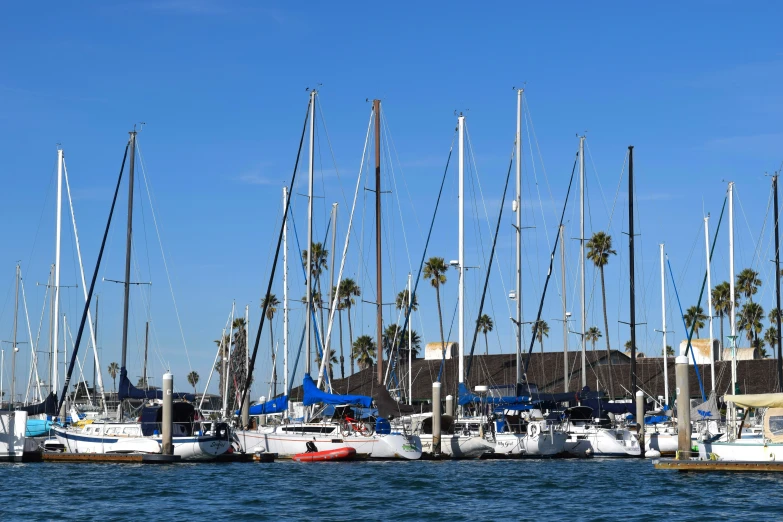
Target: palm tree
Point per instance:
(695, 315)
(435, 271)
(401, 302)
(721, 302)
(363, 351)
(348, 290)
(113, 369)
(669, 351)
(271, 302)
(750, 319)
(193, 380)
(318, 258)
(771, 337)
(773, 316)
(485, 324)
(592, 335)
(340, 309)
(224, 349)
(541, 330)
(599, 248)
(394, 333)
(332, 360)
(748, 283)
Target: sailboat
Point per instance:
(337, 428)
(590, 430)
(192, 438)
(513, 425)
(750, 445)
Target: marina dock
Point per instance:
(717, 465)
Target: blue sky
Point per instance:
(221, 87)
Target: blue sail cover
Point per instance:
(273, 406)
(466, 397)
(312, 395)
(127, 390)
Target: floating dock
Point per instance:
(110, 458)
(717, 465)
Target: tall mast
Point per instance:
(461, 249)
(376, 105)
(146, 347)
(285, 292)
(98, 384)
(332, 289)
(777, 283)
(410, 343)
(128, 245)
(732, 297)
(56, 296)
(309, 307)
(565, 309)
(663, 330)
(582, 254)
(16, 348)
(518, 226)
(95, 371)
(631, 267)
(709, 296)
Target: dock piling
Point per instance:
(683, 408)
(436, 419)
(168, 407)
(640, 419)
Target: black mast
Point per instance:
(128, 244)
(630, 263)
(777, 282)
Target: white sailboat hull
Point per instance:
(12, 435)
(602, 442)
(745, 450)
(458, 446)
(664, 442)
(287, 441)
(544, 444)
(76, 440)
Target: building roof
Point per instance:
(546, 370)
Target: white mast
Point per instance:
(410, 343)
(285, 292)
(663, 330)
(2, 370)
(16, 348)
(582, 253)
(732, 290)
(56, 313)
(518, 208)
(709, 296)
(461, 249)
(308, 264)
(565, 309)
(98, 375)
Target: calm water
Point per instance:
(488, 490)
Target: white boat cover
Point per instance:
(757, 400)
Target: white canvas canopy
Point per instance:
(757, 400)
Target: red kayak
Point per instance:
(322, 456)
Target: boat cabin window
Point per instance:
(776, 425)
(309, 429)
(130, 431)
(111, 431)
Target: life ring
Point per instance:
(533, 430)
